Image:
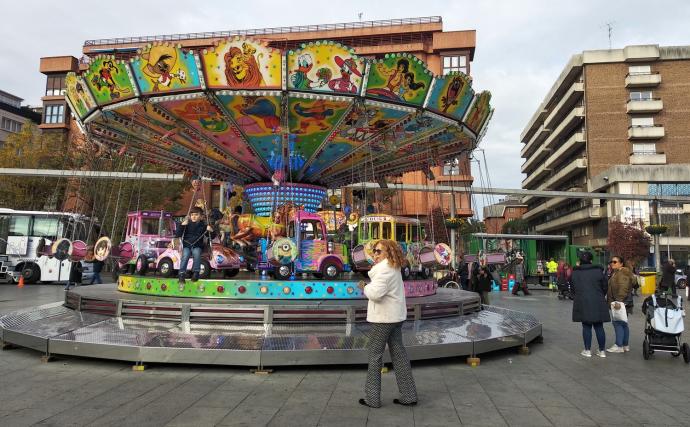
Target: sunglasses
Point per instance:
(378, 251)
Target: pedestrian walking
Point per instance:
(589, 305)
(386, 313)
(519, 272)
(668, 277)
(619, 296)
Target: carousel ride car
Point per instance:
(288, 125)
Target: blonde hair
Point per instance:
(393, 253)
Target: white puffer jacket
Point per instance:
(386, 295)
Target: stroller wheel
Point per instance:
(685, 349)
(645, 349)
(675, 354)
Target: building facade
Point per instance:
(443, 52)
(13, 115)
(615, 121)
(497, 214)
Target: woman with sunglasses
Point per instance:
(620, 292)
(386, 313)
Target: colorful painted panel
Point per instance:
(207, 119)
(361, 124)
(109, 80)
(161, 68)
(79, 95)
(452, 95)
(258, 117)
(311, 122)
(325, 66)
(242, 64)
(479, 112)
(399, 77)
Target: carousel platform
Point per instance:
(101, 322)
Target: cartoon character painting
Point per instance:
(452, 93)
(400, 83)
(242, 67)
(160, 61)
(106, 79)
(316, 115)
(343, 83)
(299, 78)
(479, 112)
(207, 116)
(261, 108)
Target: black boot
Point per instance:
(180, 279)
(195, 277)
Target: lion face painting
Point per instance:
(242, 68)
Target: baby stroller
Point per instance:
(450, 280)
(663, 327)
(565, 290)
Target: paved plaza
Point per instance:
(554, 385)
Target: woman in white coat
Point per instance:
(386, 313)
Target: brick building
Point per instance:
(497, 214)
(615, 121)
(443, 52)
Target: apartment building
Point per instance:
(13, 115)
(615, 121)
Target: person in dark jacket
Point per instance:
(482, 284)
(192, 233)
(464, 275)
(668, 277)
(520, 284)
(589, 305)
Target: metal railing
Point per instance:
(266, 31)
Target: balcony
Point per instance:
(644, 106)
(566, 103)
(646, 132)
(642, 80)
(648, 159)
(583, 215)
(569, 122)
(538, 155)
(536, 139)
(573, 143)
(567, 172)
(535, 176)
(534, 212)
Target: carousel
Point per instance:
(278, 284)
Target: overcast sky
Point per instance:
(522, 46)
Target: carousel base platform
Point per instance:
(100, 322)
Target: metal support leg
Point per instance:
(473, 360)
(139, 367)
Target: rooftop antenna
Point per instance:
(609, 29)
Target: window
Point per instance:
(19, 225)
(55, 86)
(641, 96)
(451, 170)
(46, 227)
(10, 125)
(375, 231)
(642, 121)
(386, 230)
(401, 232)
(644, 148)
(54, 113)
(639, 69)
(454, 63)
(310, 230)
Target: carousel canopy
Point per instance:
(244, 112)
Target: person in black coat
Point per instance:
(482, 284)
(589, 305)
(192, 232)
(668, 277)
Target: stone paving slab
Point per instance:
(552, 386)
